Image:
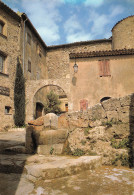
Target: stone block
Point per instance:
(29, 140)
(50, 149)
(124, 114)
(63, 122)
(127, 100)
(112, 115)
(38, 122)
(52, 137)
(111, 104)
(97, 112)
(51, 120)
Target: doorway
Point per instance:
(39, 109)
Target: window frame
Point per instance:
(29, 66)
(29, 38)
(2, 61)
(2, 27)
(104, 68)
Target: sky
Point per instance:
(66, 21)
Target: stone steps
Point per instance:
(47, 167)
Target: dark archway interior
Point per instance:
(39, 109)
(104, 99)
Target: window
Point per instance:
(39, 51)
(1, 63)
(7, 109)
(104, 68)
(1, 27)
(29, 65)
(29, 38)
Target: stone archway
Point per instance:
(33, 86)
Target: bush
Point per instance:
(19, 97)
(124, 143)
(78, 152)
(52, 104)
(122, 158)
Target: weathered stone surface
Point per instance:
(52, 137)
(111, 104)
(96, 112)
(30, 140)
(112, 115)
(124, 114)
(51, 120)
(38, 122)
(50, 149)
(55, 167)
(63, 122)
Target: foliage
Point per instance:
(78, 152)
(51, 150)
(83, 142)
(86, 130)
(52, 103)
(122, 158)
(19, 97)
(124, 143)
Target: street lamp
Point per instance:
(75, 67)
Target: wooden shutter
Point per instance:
(100, 68)
(104, 68)
(107, 68)
(1, 64)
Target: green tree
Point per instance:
(19, 96)
(52, 103)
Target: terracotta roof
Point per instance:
(80, 43)
(10, 11)
(121, 21)
(102, 53)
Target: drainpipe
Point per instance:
(24, 45)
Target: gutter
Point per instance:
(24, 46)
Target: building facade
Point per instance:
(105, 67)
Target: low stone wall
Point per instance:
(107, 129)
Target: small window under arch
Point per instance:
(7, 110)
(1, 26)
(104, 99)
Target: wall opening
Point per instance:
(39, 109)
(104, 99)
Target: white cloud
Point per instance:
(72, 25)
(76, 37)
(45, 17)
(94, 3)
(74, 30)
(100, 22)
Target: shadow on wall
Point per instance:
(131, 129)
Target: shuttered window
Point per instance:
(1, 27)
(1, 63)
(104, 68)
(29, 65)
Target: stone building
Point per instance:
(105, 67)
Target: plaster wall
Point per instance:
(58, 58)
(87, 84)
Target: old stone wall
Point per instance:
(9, 47)
(123, 34)
(105, 129)
(34, 53)
(57, 58)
